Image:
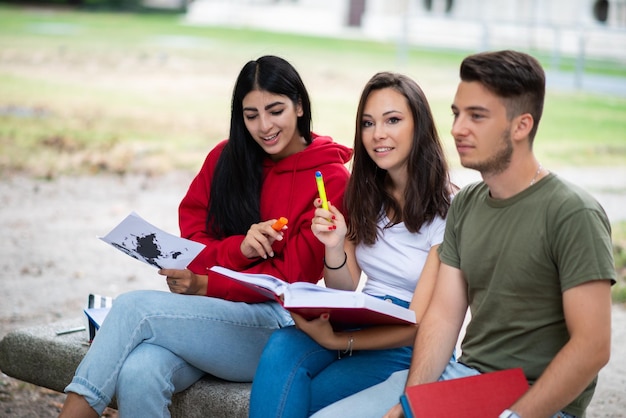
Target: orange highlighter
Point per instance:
(321, 189)
(278, 225)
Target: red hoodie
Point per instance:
(288, 190)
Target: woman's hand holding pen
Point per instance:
(185, 281)
(329, 226)
(259, 239)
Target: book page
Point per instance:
(151, 245)
(307, 294)
(313, 297)
(266, 281)
(311, 300)
(313, 287)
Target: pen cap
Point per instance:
(321, 189)
(278, 225)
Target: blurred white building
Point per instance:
(592, 28)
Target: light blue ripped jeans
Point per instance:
(153, 344)
(374, 402)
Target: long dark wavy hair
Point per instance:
(236, 188)
(428, 188)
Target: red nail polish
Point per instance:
(333, 217)
(330, 228)
(334, 227)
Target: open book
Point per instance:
(346, 308)
(484, 395)
(145, 242)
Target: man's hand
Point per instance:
(395, 412)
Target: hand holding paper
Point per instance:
(151, 245)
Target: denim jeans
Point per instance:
(153, 344)
(375, 401)
(297, 376)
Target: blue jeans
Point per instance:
(297, 376)
(153, 344)
(375, 401)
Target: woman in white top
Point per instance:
(396, 202)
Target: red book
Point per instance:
(482, 396)
(346, 308)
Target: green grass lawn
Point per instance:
(91, 92)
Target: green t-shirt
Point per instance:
(518, 255)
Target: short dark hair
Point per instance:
(516, 77)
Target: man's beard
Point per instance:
(499, 162)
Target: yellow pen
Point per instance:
(321, 189)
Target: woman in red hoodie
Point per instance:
(154, 344)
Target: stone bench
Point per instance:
(39, 356)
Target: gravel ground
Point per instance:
(50, 260)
